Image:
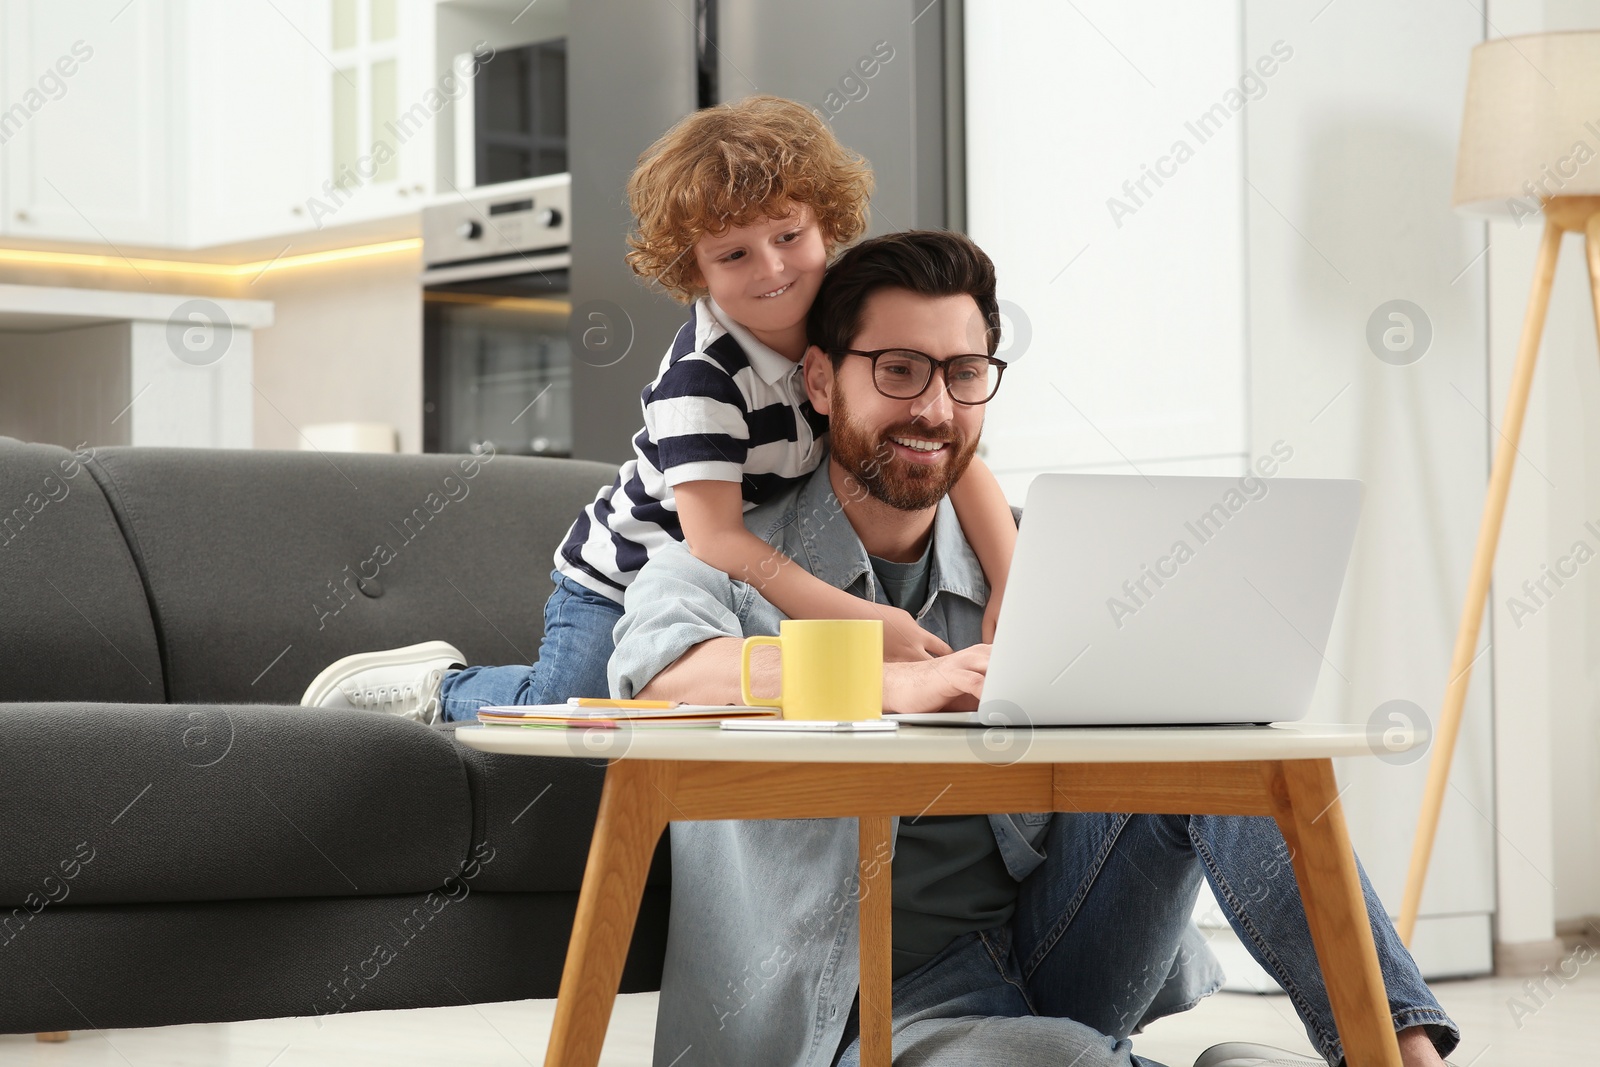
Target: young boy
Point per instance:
(740, 208)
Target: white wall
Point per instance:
(1570, 390)
(1229, 312)
(1351, 164)
(1143, 332)
(346, 346)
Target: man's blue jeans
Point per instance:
(572, 658)
(1092, 953)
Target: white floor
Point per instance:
(1564, 1030)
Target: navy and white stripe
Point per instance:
(723, 408)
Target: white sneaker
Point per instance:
(400, 681)
(1245, 1054)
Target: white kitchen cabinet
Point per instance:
(191, 123)
(85, 123)
(249, 117)
(382, 100)
(325, 93)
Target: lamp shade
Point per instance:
(1531, 128)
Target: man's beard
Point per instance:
(870, 457)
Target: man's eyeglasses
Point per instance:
(904, 374)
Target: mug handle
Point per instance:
(744, 672)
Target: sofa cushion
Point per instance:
(74, 624)
(263, 567)
(128, 803)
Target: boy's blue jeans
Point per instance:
(1091, 954)
(572, 658)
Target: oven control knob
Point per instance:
(549, 217)
(469, 231)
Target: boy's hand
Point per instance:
(991, 617)
(904, 640)
(949, 683)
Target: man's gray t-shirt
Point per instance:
(947, 877)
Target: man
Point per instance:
(1019, 939)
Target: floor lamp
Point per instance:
(1530, 144)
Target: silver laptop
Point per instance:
(1167, 600)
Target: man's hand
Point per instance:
(904, 640)
(949, 683)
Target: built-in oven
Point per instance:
(497, 366)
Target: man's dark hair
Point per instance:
(929, 262)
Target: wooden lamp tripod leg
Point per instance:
(1592, 245)
(1494, 505)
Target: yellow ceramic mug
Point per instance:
(832, 669)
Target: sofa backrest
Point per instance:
(262, 567)
(74, 624)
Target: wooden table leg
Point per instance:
(633, 813)
(1306, 798)
(877, 966)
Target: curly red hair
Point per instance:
(730, 165)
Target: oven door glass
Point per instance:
(497, 366)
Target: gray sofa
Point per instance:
(179, 842)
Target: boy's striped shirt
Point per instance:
(723, 407)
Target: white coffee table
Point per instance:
(657, 777)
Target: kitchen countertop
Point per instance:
(39, 309)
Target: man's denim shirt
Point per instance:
(762, 957)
